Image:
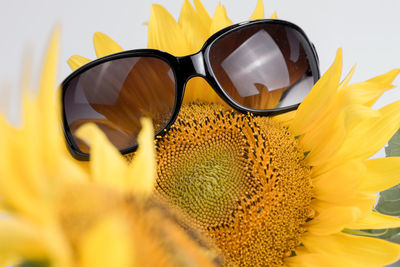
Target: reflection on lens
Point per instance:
(262, 66)
(116, 94)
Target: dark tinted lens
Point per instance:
(263, 66)
(116, 94)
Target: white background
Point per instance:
(368, 31)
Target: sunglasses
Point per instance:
(265, 67)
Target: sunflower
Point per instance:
(270, 191)
(59, 212)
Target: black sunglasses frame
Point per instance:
(185, 68)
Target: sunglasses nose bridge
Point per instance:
(192, 65)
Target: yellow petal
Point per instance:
(285, 118)
(106, 163)
(104, 45)
(320, 95)
(326, 133)
(198, 89)
(74, 170)
(142, 171)
(274, 15)
(339, 183)
(368, 92)
(203, 14)
(108, 244)
(367, 136)
(328, 124)
(333, 220)
(76, 62)
(317, 260)
(31, 155)
(49, 107)
(258, 12)
(165, 34)
(328, 113)
(19, 191)
(21, 240)
(220, 20)
(386, 80)
(361, 124)
(348, 77)
(375, 221)
(365, 251)
(325, 139)
(381, 174)
(195, 31)
(363, 202)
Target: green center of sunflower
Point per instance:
(239, 178)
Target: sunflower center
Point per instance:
(241, 179)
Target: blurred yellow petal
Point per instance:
(107, 166)
(258, 13)
(47, 104)
(381, 174)
(104, 45)
(108, 243)
(12, 187)
(21, 239)
(191, 24)
(274, 15)
(220, 20)
(365, 251)
(76, 62)
(77, 171)
(165, 34)
(142, 171)
(375, 221)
